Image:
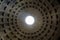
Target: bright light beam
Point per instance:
(29, 20)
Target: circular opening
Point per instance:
(29, 20)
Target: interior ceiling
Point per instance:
(45, 12)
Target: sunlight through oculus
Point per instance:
(29, 20)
